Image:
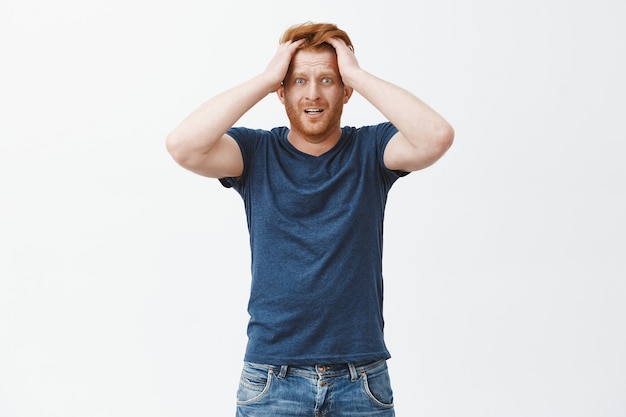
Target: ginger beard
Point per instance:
(315, 127)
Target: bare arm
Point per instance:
(200, 142)
(423, 137)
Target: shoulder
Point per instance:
(250, 139)
(371, 136)
(243, 133)
(382, 131)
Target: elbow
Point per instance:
(441, 140)
(445, 137)
(428, 149)
(173, 144)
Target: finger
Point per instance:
(336, 43)
(294, 44)
(340, 43)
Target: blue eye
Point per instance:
(326, 80)
(299, 81)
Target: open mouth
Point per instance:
(313, 111)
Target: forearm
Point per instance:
(202, 129)
(413, 118)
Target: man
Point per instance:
(314, 195)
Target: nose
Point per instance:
(313, 91)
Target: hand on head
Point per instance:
(279, 65)
(346, 60)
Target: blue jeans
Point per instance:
(361, 390)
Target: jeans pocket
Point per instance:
(254, 384)
(378, 387)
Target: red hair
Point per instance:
(316, 35)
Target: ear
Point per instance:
(347, 93)
(281, 93)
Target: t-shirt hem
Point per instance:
(364, 358)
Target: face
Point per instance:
(314, 95)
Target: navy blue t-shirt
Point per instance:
(316, 238)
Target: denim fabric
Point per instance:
(362, 390)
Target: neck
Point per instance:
(314, 145)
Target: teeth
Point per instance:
(313, 111)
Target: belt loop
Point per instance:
(353, 374)
(283, 372)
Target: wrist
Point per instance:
(355, 78)
(268, 82)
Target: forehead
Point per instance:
(314, 60)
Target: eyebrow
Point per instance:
(323, 73)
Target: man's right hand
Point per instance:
(277, 68)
